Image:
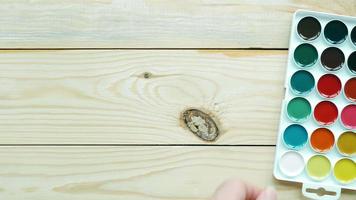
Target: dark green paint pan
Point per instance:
(305, 55)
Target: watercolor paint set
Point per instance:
(316, 143)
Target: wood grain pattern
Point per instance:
(136, 97)
(154, 23)
(103, 97)
(134, 173)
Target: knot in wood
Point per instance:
(201, 124)
(147, 75)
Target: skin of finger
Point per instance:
(236, 190)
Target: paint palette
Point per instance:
(317, 134)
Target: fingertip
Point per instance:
(268, 194)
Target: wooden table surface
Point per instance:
(92, 91)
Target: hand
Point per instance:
(238, 190)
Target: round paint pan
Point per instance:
(322, 140)
(345, 171)
(305, 55)
(346, 143)
(350, 89)
(329, 86)
(298, 109)
(332, 59)
(302, 82)
(291, 163)
(295, 137)
(353, 35)
(318, 167)
(335, 32)
(348, 116)
(351, 62)
(325, 113)
(309, 28)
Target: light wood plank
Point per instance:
(154, 23)
(76, 97)
(134, 173)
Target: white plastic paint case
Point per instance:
(317, 70)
